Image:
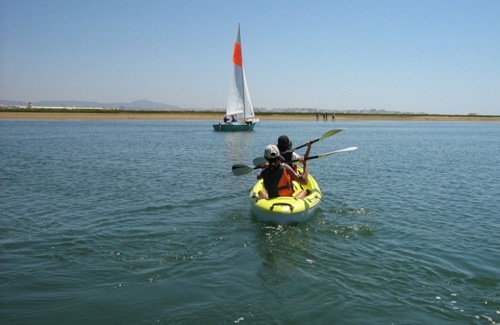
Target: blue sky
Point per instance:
(440, 56)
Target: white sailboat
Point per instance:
(240, 115)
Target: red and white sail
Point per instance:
(239, 102)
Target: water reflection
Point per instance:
(239, 146)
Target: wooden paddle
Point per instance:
(241, 169)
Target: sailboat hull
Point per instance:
(224, 127)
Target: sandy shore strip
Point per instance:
(217, 117)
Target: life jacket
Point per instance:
(277, 182)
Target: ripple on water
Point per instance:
(119, 216)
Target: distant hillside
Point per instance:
(136, 105)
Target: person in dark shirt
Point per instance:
(278, 176)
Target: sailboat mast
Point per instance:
(238, 40)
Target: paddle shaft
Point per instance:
(260, 160)
(240, 169)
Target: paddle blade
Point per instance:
(259, 161)
(336, 151)
(330, 133)
(348, 149)
(240, 169)
(324, 136)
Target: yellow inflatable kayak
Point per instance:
(285, 210)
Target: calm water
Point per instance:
(142, 222)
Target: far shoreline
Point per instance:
(216, 117)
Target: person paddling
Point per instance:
(278, 177)
(286, 151)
